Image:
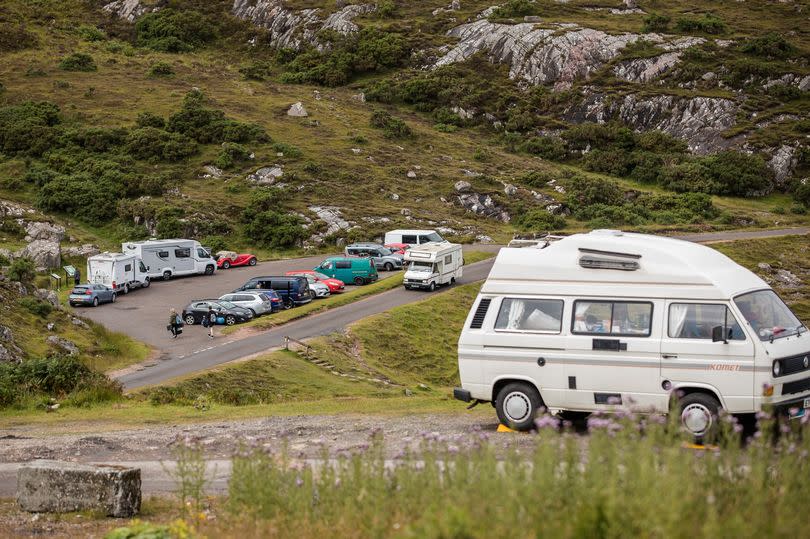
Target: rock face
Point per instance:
(59, 487)
(646, 69)
(295, 29)
(9, 351)
(40, 230)
(484, 206)
(84, 250)
(698, 120)
(266, 175)
(48, 296)
(44, 253)
(783, 163)
(63, 344)
(128, 10)
(332, 217)
(297, 110)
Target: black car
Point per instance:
(293, 290)
(227, 313)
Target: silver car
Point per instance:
(257, 302)
(384, 258)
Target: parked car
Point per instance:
(412, 237)
(91, 294)
(229, 313)
(230, 259)
(335, 285)
(293, 290)
(316, 289)
(258, 303)
(354, 270)
(397, 247)
(383, 258)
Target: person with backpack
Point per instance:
(175, 324)
(209, 320)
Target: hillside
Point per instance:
(130, 119)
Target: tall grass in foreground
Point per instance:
(629, 477)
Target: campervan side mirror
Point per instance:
(721, 334)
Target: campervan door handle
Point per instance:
(669, 356)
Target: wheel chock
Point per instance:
(700, 447)
(504, 428)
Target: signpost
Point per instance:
(57, 280)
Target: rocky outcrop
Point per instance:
(484, 206)
(60, 487)
(334, 221)
(783, 163)
(646, 69)
(63, 345)
(295, 29)
(40, 230)
(800, 82)
(84, 250)
(9, 351)
(297, 110)
(44, 253)
(697, 120)
(266, 175)
(48, 296)
(129, 10)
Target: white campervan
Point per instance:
(433, 264)
(119, 271)
(412, 237)
(171, 258)
(607, 320)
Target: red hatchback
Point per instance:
(335, 285)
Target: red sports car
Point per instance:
(398, 247)
(335, 285)
(227, 259)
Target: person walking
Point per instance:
(209, 320)
(174, 323)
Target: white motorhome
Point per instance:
(171, 258)
(610, 320)
(412, 237)
(119, 271)
(433, 264)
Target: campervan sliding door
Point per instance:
(524, 343)
(689, 357)
(183, 261)
(613, 354)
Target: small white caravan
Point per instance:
(433, 264)
(412, 237)
(171, 258)
(607, 320)
(119, 271)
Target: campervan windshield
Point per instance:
(768, 315)
(434, 237)
(422, 267)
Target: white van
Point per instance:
(118, 271)
(611, 320)
(170, 258)
(412, 237)
(433, 264)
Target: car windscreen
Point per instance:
(227, 304)
(768, 315)
(320, 276)
(434, 237)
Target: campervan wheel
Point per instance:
(517, 405)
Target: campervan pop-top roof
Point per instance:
(610, 263)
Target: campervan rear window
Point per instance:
(518, 314)
(612, 318)
(448, 259)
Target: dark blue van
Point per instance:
(293, 290)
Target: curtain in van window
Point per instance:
(516, 311)
(677, 318)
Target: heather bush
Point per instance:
(78, 61)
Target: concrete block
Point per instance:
(57, 487)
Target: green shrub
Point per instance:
(647, 167)
(36, 307)
(615, 162)
(95, 139)
(387, 9)
(83, 195)
(29, 128)
(655, 22)
(171, 30)
(584, 192)
(738, 173)
(257, 70)
(293, 152)
(771, 45)
(538, 220)
(231, 154)
(514, 8)
(147, 119)
(391, 126)
(274, 229)
(536, 178)
(206, 125)
(801, 192)
(708, 23)
(784, 92)
(91, 33)
(215, 243)
(161, 69)
(156, 144)
(78, 61)
(445, 128)
(22, 270)
(546, 147)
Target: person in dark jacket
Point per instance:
(174, 323)
(209, 320)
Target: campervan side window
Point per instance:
(518, 314)
(128, 267)
(696, 320)
(448, 259)
(163, 254)
(182, 253)
(343, 264)
(612, 318)
(409, 239)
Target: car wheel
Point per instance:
(389, 266)
(125, 289)
(209, 270)
(252, 262)
(288, 304)
(190, 320)
(432, 286)
(452, 280)
(699, 413)
(146, 283)
(167, 275)
(252, 312)
(517, 405)
(407, 287)
(312, 294)
(230, 320)
(226, 265)
(113, 297)
(95, 302)
(359, 281)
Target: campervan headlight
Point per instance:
(777, 368)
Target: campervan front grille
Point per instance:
(480, 313)
(796, 387)
(794, 364)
